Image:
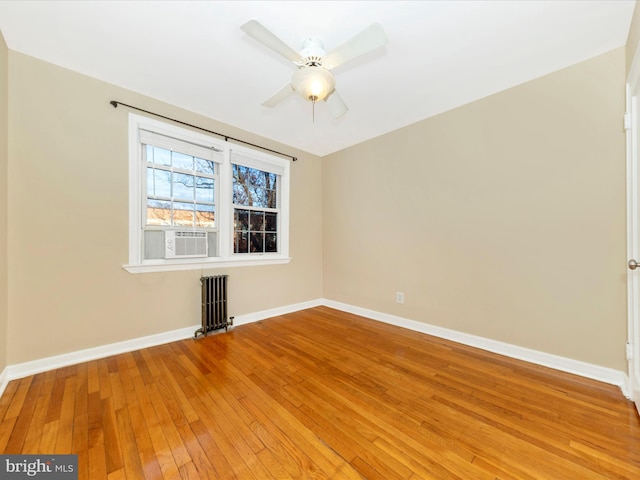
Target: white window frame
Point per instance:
(223, 198)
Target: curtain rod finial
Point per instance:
(114, 103)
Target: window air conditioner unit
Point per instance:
(184, 244)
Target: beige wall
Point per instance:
(4, 141)
(68, 228)
(633, 38)
(504, 218)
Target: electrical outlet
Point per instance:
(399, 297)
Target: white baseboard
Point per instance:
(577, 367)
(20, 370)
(274, 312)
(4, 381)
(603, 374)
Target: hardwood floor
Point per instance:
(325, 395)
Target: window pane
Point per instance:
(273, 180)
(258, 196)
(257, 242)
(270, 242)
(158, 183)
(257, 221)
(240, 196)
(204, 189)
(183, 186)
(151, 189)
(272, 199)
(183, 214)
(240, 242)
(158, 213)
(204, 166)
(271, 222)
(254, 188)
(238, 173)
(241, 220)
(148, 153)
(182, 161)
(161, 156)
(205, 216)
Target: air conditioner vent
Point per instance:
(181, 244)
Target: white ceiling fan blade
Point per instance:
(259, 32)
(279, 96)
(336, 105)
(367, 40)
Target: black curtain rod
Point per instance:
(115, 104)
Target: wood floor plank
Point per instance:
(199, 457)
(97, 463)
(189, 472)
(221, 446)
(389, 429)
(168, 428)
(6, 430)
(55, 396)
(271, 464)
(322, 394)
(27, 395)
(93, 381)
(130, 449)
(35, 432)
(104, 384)
(219, 399)
(64, 439)
(7, 398)
(49, 436)
(145, 450)
(112, 447)
(119, 474)
(164, 454)
(213, 464)
(80, 444)
(297, 462)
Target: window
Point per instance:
(200, 202)
(256, 210)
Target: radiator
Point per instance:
(214, 304)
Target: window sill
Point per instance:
(197, 264)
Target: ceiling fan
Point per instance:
(313, 79)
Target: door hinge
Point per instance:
(629, 351)
(627, 121)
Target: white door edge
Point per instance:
(632, 124)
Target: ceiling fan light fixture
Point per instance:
(313, 83)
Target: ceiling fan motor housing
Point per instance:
(312, 52)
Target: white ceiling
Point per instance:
(439, 55)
